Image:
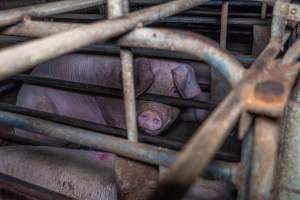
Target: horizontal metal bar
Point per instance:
(115, 50)
(177, 19)
(12, 16)
(110, 92)
(118, 132)
(28, 190)
(211, 3)
(138, 151)
(17, 59)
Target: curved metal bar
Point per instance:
(193, 44)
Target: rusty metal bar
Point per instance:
(23, 57)
(28, 190)
(118, 8)
(195, 45)
(224, 21)
(12, 16)
(289, 161)
(203, 145)
(264, 158)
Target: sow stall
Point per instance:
(250, 139)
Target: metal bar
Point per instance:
(293, 53)
(24, 57)
(137, 151)
(110, 92)
(224, 21)
(279, 21)
(12, 16)
(203, 145)
(264, 9)
(118, 132)
(8, 4)
(246, 21)
(264, 160)
(211, 3)
(28, 190)
(42, 29)
(193, 44)
(118, 8)
(289, 162)
(129, 94)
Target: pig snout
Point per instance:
(150, 120)
(153, 118)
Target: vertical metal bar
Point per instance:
(224, 20)
(264, 8)
(246, 155)
(117, 8)
(264, 157)
(279, 22)
(289, 155)
(129, 94)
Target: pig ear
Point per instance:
(185, 81)
(143, 76)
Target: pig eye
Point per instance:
(175, 91)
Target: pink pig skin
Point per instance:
(155, 76)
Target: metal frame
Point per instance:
(251, 89)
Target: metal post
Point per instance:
(289, 155)
(224, 21)
(118, 8)
(264, 159)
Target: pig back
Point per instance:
(83, 175)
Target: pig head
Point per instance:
(151, 76)
(165, 78)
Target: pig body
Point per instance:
(83, 175)
(151, 75)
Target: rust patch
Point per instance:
(269, 90)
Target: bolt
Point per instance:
(294, 11)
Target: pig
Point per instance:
(91, 175)
(83, 175)
(157, 76)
